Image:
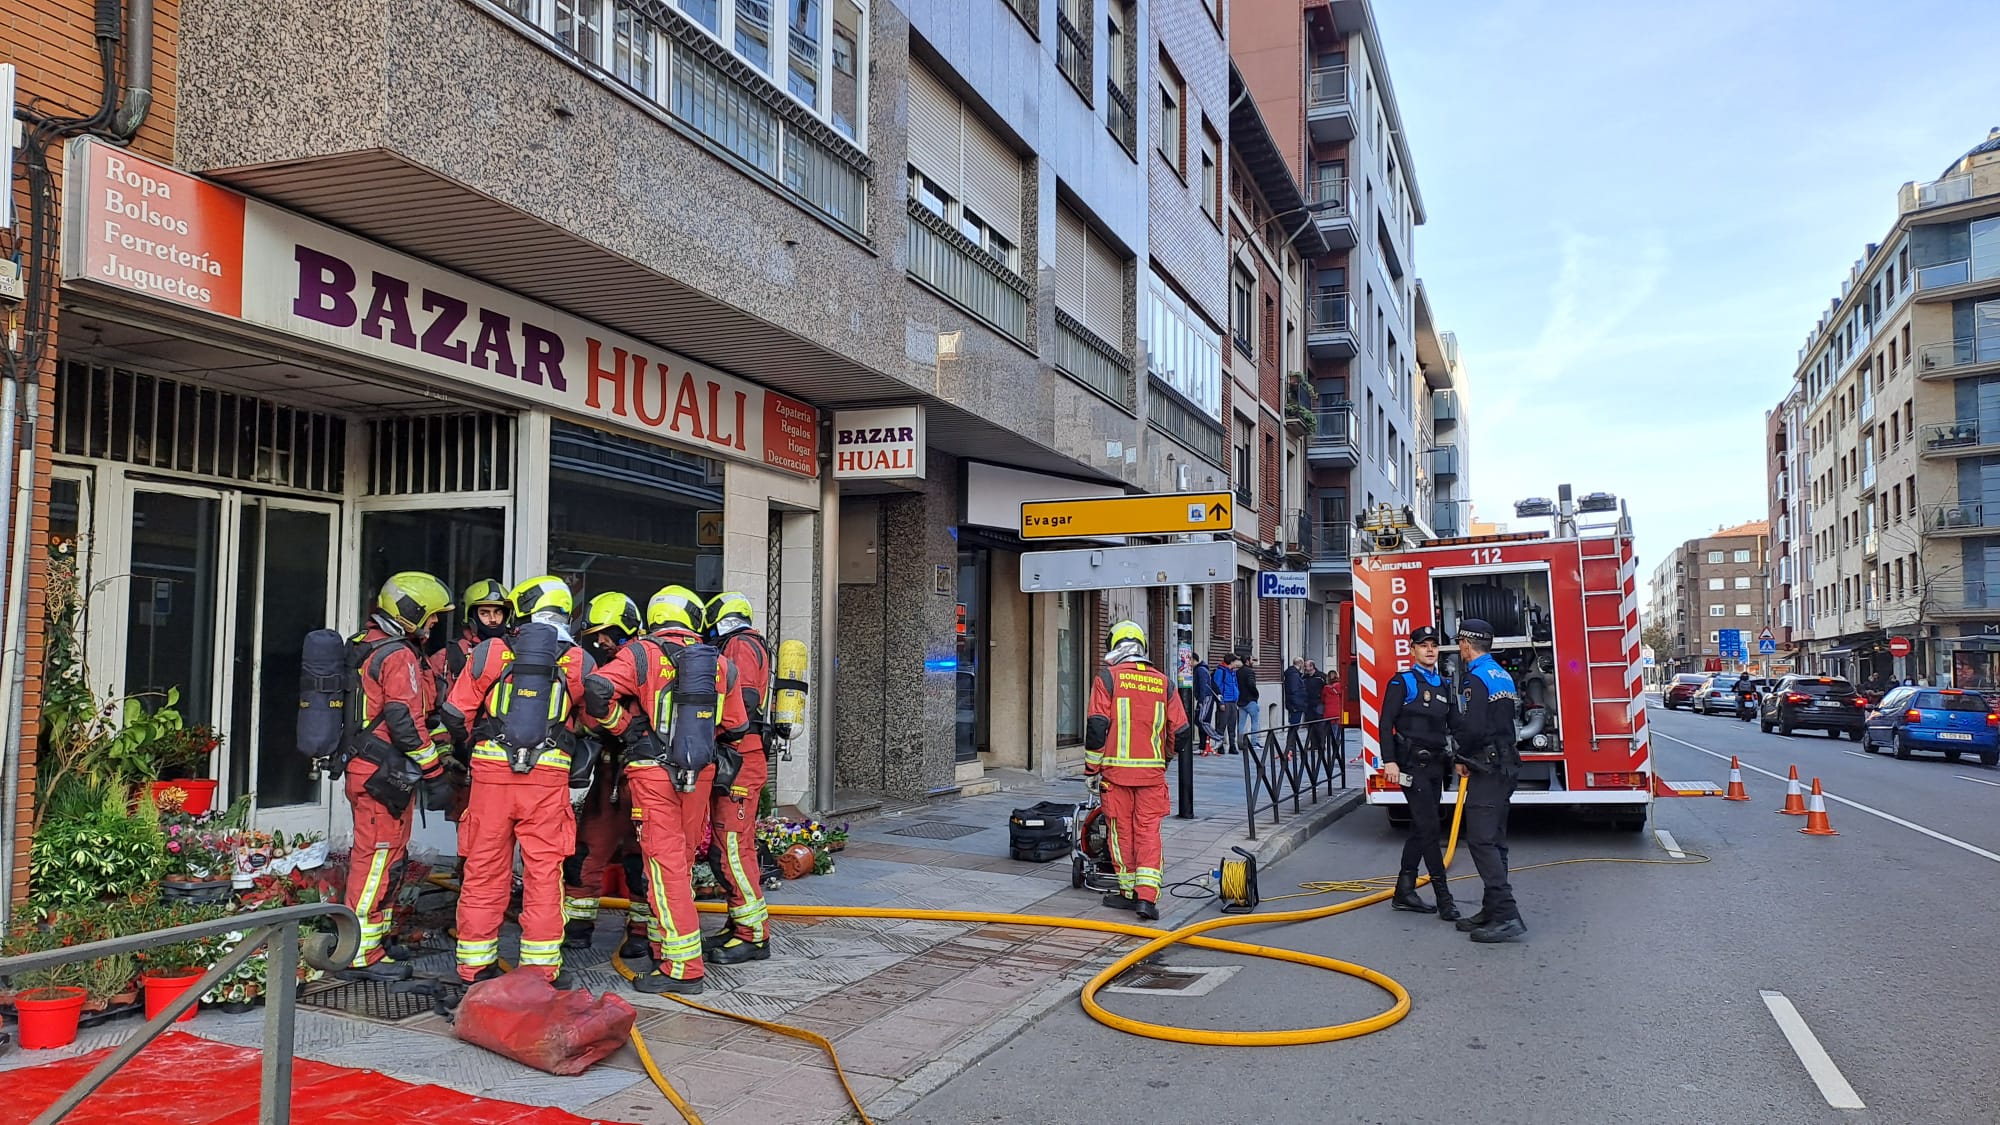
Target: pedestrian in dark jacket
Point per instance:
(1204, 703)
(1295, 693)
(1315, 693)
(1247, 700)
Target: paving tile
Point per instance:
(895, 1047)
(718, 1080)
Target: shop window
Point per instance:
(627, 514)
(417, 456)
(1071, 691)
(118, 414)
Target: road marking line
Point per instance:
(1668, 842)
(1890, 817)
(1977, 781)
(1857, 753)
(1832, 1084)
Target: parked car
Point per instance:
(1717, 695)
(1680, 693)
(1935, 720)
(1813, 703)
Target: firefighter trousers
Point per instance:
(1134, 813)
(671, 824)
(733, 828)
(375, 865)
(603, 829)
(1486, 808)
(1425, 842)
(535, 813)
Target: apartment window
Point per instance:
(956, 161)
(1714, 636)
(1716, 611)
(580, 26)
(1090, 279)
(1121, 112)
(849, 34)
(1242, 301)
(1172, 91)
(632, 48)
(1742, 610)
(753, 33)
(1211, 174)
(1739, 555)
(1183, 350)
(1743, 583)
(1715, 556)
(1073, 23)
(1715, 583)
(1246, 480)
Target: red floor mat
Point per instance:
(182, 1079)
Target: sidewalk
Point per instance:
(908, 1004)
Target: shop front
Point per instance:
(258, 418)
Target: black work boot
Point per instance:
(577, 934)
(657, 983)
(1503, 929)
(636, 945)
(737, 950)
(1467, 925)
(1148, 911)
(1447, 909)
(1406, 898)
(1121, 902)
(387, 970)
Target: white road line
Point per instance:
(1891, 818)
(1832, 1084)
(1857, 753)
(1668, 842)
(1977, 781)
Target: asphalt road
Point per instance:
(1639, 995)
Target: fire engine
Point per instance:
(1564, 608)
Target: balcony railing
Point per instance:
(1937, 193)
(1943, 437)
(1328, 86)
(1969, 516)
(1867, 410)
(1333, 546)
(1871, 544)
(1444, 518)
(1120, 116)
(1867, 478)
(965, 274)
(1327, 311)
(1331, 198)
(1336, 435)
(1092, 361)
(1871, 611)
(1444, 407)
(1299, 532)
(1442, 461)
(1072, 53)
(1167, 413)
(1962, 352)
(1961, 598)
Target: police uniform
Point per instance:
(1416, 721)
(1484, 731)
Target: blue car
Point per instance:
(1935, 720)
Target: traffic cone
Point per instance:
(1816, 824)
(1736, 792)
(1795, 801)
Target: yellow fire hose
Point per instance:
(1370, 891)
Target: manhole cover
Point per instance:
(1184, 981)
(938, 830)
(380, 1000)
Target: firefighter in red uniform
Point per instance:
(520, 787)
(397, 751)
(733, 811)
(1135, 728)
(604, 827)
(485, 604)
(671, 812)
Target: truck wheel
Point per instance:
(1902, 748)
(1398, 818)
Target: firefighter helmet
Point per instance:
(611, 613)
(486, 591)
(547, 594)
(1126, 631)
(726, 605)
(411, 598)
(675, 606)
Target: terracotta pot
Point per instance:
(48, 1016)
(163, 989)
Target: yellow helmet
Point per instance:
(486, 591)
(547, 594)
(729, 603)
(411, 598)
(675, 605)
(1126, 631)
(612, 613)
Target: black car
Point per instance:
(1814, 703)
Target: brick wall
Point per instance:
(58, 68)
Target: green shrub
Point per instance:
(105, 853)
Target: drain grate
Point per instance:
(1163, 980)
(937, 830)
(1188, 980)
(380, 1000)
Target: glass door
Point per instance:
(174, 564)
(458, 545)
(971, 628)
(285, 587)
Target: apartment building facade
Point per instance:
(1321, 76)
(1901, 439)
(1790, 579)
(801, 299)
(1707, 585)
(1444, 476)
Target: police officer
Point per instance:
(1483, 727)
(1416, 720)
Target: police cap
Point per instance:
(1424, 636)
(1474, 629)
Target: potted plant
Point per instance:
(92, 846)
(201, 864)
(181, 755)
(49, 1014)
(172, 969)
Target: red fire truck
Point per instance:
(1564, 608)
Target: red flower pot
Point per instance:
(200, 793)
(163, 989)
(48, 1016)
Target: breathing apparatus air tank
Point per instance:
(787, 713)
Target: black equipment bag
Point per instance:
(1040, 833)
(531, 708)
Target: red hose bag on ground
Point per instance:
(522, 1016)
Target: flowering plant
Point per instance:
(200, 853)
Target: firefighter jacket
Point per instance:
(449, 661)
(398, 698)
(1136, 725)
(1416, 717)
(749, 654)
(1483, 726)
(471, 709)
(624, 693)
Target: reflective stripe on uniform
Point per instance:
(579, 910)
(753, 913)
(541, 952)
(553, 758)
(676, 948)
(478, 954)
(1147, 877)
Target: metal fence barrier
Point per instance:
(276, 929)
(1293, 761)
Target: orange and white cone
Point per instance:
(1816, 824)
(1795, 801)
(1736, 792)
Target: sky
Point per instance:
(1637, 210)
